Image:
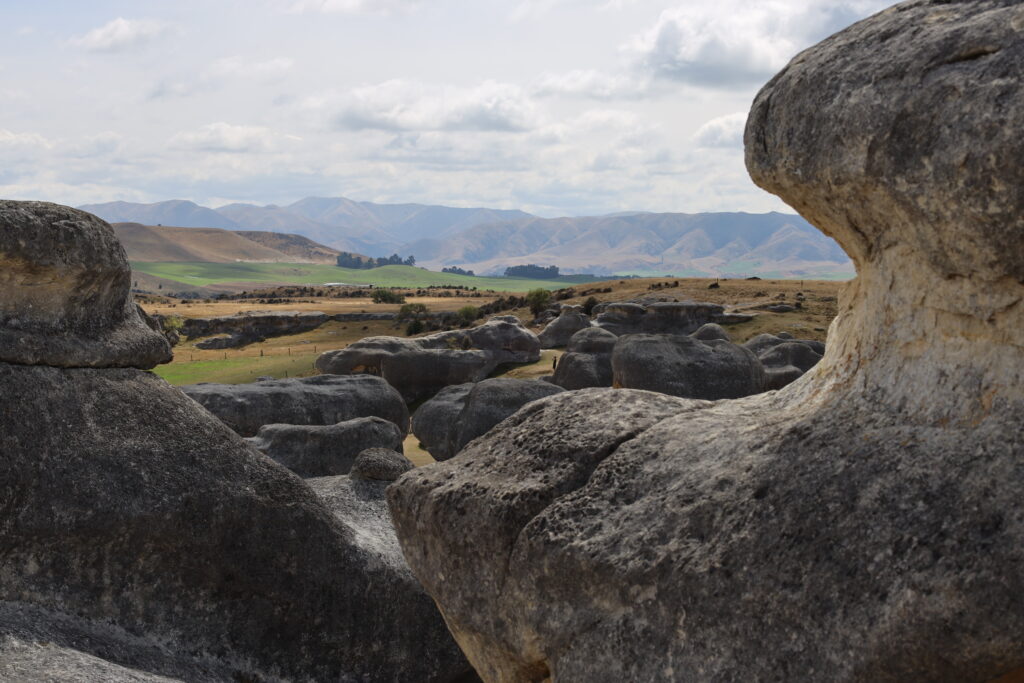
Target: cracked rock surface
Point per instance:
(862, 524)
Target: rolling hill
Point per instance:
(488, 240)
(151, 243)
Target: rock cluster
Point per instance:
(461, 413)
(420, 367)
(587, 361)
(862, 524)
(557, 333)
(254, 326)
(660, 317)
(144, 540)
(317, 400)
(324, 451)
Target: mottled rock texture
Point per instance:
(422, 366)
(683, 366)
(325, 451)
(66, 292)
(462, 413)
(318, 400)
(862, 524)
(380, 464)
(587, 361)
(557, 333)
(143, 540)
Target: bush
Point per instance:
(387, 296)
(467, 314)
(414, 327)
(538, 300)
(412, 312)
(588, 305)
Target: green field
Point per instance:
(206, 274)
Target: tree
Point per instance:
(414, 327)
(412, 312)
(387, 296)
(588, 305)
(411, 261)
(532, 271)
(538, 300)
(467, 314)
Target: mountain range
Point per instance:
(489, 240)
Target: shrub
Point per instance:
(387, 296)
(412, 311)
(467, 314)
(414, 327)
(538, 300)
(588, 305)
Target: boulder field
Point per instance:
(862, 524)
(141, 539)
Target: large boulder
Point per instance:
(658, 317)
(587, 361)
(435, 423)
(421, 366)
(862, 524)
(686, 367)
(318, 400)
(324, 451)
(557, 333)
(252, 326)
(142, 539)
(460, 414)
(66, 292)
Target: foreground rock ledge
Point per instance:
(863, 524)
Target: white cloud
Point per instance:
(724, 131)
(121, 34)
(354, 6)
(225, 137)
(101, 144)
(237, 67)
(731, 43)
(591, 84)
(399, 105)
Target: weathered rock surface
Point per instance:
(587, 361)
(461, 413)
(67, 292)
(380, 464)
(682, 366)
(253, 326)
(318, 400)
(661, 317)
(435, 423)
(862, 524)
(325, 451)
(143, 540)
(570, 320)
(421, 366)
(710, 331)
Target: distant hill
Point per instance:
(177, 212)
(151, 243)
(489, 240)
(708, 244)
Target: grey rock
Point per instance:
(66, 287)
(435, 423)
(587, 361)
(780, 376)
(710, 331)
(324, 451)
(127, 508)
(421, 366)
(862, 524)
(793, 353)
(686, 367)
(251, 326)
(782, 308)
(658, 317)
(570, 320)
(318, 400)
(460, 414)
(380, 464)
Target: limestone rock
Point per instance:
(862, 524)
(380, 464)
(66, 289)
(460, 414)
(686, 367)
(324, 451)
(587, 361)
(420, 367)
(570, 320)
(710, 331)
(318, 400)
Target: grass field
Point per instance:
(211, 274)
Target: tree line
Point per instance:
(349, 260)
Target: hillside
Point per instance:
(489, 240)
(213, 245)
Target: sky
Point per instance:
(556, 107)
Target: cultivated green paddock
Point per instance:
(204, 274)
